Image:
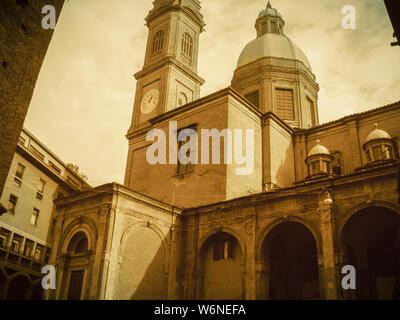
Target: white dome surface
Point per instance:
(272, 45)
(377, 134)
(318, 149)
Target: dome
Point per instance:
(269, 12)
(377, 134)
(272, 45)
(318, 149)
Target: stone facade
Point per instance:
(319, 196)
(36, 178)
(23, 45)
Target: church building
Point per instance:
(318, 197)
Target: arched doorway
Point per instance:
(142, 275)
(220, 264)
(19, 288)
(371, 243)
(77, 260)
(289, 256)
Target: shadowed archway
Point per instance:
(290, 263)
(370, 241)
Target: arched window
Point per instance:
(78, 243)
(187, 45)
(158, 42)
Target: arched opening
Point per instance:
(371, 243)
(143, 274)
(78, 243)
(290, 263)
(219, 275)
(19, 288)
(78, 261)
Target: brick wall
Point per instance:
(23, 45)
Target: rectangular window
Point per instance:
(253, 97)
(28, 248)
(185, 168)
(12, 204)
(35, 216)
(38, 252)
(40, 189)
(310, 113)
(273, 27)
(19, 173)
(16, 243)
(284, 104)
(222, 249)
(377, 153)
(315, 168)
(337, 163)
(4, 236)
(388, 152)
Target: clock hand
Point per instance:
(150, 99)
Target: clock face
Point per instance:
(149, 101)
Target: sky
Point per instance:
(83, 100)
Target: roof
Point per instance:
(272, 45)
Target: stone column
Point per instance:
(171, 295)
(250, 259)
(329, 275)
(262, 280)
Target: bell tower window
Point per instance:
(158, 42)
(310, 112)
(284, 104)
(187, 45)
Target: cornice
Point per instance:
(168, 60)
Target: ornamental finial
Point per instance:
(269, 5)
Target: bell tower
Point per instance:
(169, 76)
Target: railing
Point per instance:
(17, 259)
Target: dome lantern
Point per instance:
(319, 162)
(379, 146)
(269, 21)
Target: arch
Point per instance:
(314, 231)
(155, 228)
(78, 243)
(19, 287)
(227, 230)
(18, 274)
(369, 240)
(288, 262)
(364, 205)
(143, 275)
(219, 267)
(82, 224)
